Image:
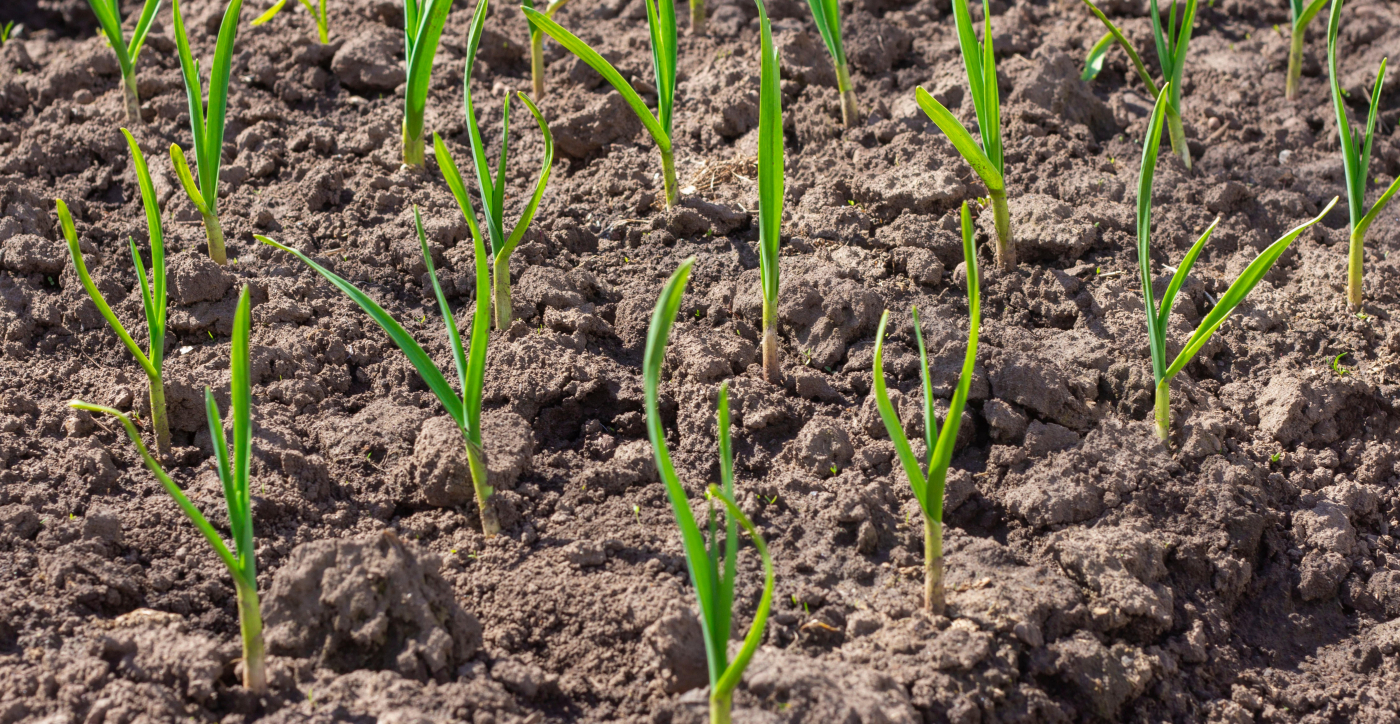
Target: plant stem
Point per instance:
(215, 232)
(501, 281)
(412, 146)
(720, 704)
(933, 566)
(537, 63)
(668, 167)
(850, 112)
(476, 460)
(133, 103)
(160, 424)
(250, 624)
(1354, 258)
(697, 17)
(1178, 136)
(772, 371)
(1006, 251)
(1164, 411)
(1295, 62)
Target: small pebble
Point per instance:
(1284, 156)
(82, 96)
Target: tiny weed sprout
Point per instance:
(1158, 315)
(153, 298)
(109, 16)
(537, 45)
(770, 192)
(241, 560)
(207, 127)
(1337, 365)
(713, 578)
(423, 21)
(11, 30)
(470, 362)
(827, 15)
(1302, 13)
(317, 12)
(661, 21)
(1172, 43)
(928, 477)
(493, 191)
(1356, 158)
(987, 160)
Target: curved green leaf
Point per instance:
(595, 61)
(546, 166)
(1164, 308)
(1127, 47)
(917, 481)
(735, 671)
(961, 139)
(420, 360)
(71, 235)
(1238, 290)
(692, 540)
(1093, 62)
(170, 487)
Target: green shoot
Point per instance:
(207, 127)
(470, 362)
(1158, 316)
(153, 297)
(770, 191)
(423, 21)
(319, 15)
(7, 31)
(1337, 365)
(661, 20)
(109, 16)
(1302, 13)
(927, 477)
(493, 191)
(1356, 158)
(713, 579)
(537, 45)
(241, 561)
(1172, 44)
(979, 61)
(827, 15)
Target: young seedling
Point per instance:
(713, 579)
(827, 15)
(11, 30)
(423, 21)
(1356, 160)
(207, 128)
(770, 191)
(493, 191)
(470, 362)
(1158, 315)
(1302, 13)
(1172, 44)
(987, 159)
(153, 298)
(928, 477)
(241, 561)
(317, 14)
(537, 45)
(109, 16)
(661, 20)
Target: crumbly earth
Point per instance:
(1248, 572)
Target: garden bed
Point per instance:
(1246, 573)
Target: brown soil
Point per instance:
(1249, 573)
